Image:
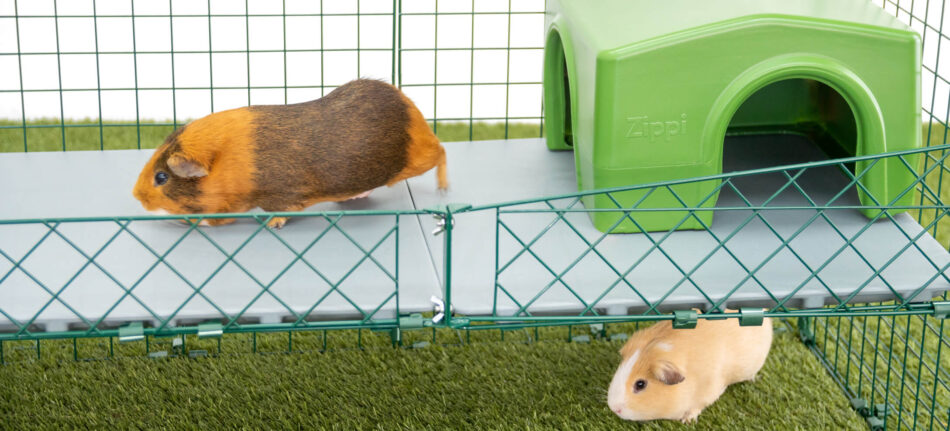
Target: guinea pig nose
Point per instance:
(617, 411)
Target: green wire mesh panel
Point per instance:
(338, 275)
(786, 237)
(110, 75)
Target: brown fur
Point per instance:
(685, 370)
(425, 150)
(362, 135)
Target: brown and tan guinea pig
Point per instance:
(362, 135)
(668, 373)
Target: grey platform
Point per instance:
(98, 184)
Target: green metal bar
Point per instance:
(274, 15)
(293, 50)
(171, 56)
(398, 34)
(933, 400)
(494, 304)
(211, 60)
(508, 70)
(712, 177)
(19, 53)
(241, 15)
(193, 330)
(447, 260)
(247, 49)
(396, 278)
(435, 70)
(59, 76)
(283, 16)
(135, 71)
(200, 217)
(900, 403)
(471, 76)
(95, 32)
(923, 339)
(322, 50)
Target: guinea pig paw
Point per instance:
(691, 416)
(277, 222)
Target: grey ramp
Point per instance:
(99, 184)
(491, 172)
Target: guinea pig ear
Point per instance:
(185, 167)
(668, 373)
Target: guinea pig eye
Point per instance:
(160, 178)
(639, 385)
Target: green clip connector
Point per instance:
(684, 319)
(618, 337)
(459, 322)
(581, 339)
(941, 309)
(197, 354)
(210, 330)
(875, 424)
(131, 332)
(420, 345)
(751, 316)
(860, 405)
(880, 410)
(412, 321)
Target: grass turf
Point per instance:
(486, 384)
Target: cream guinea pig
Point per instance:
(668, 373)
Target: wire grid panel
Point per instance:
(893, 367)
(67, 262)
(781, 237)
(140, 69)
(132, 270)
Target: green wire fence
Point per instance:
(887, 356)
(371, 49)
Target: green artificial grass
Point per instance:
(48, 134)
(485, 384)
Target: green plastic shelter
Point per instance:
(646, 91)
